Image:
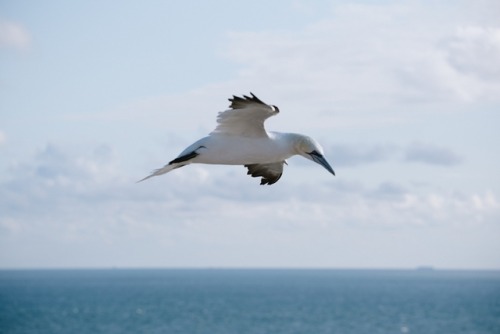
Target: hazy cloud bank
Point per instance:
(351, 155)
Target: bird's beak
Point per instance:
(320, 159)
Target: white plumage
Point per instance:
(241, 139)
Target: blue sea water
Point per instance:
(249, 301)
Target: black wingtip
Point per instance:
(240, 102)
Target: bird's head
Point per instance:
(312, 150)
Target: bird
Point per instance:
(240, 138)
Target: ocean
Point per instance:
(240, 301)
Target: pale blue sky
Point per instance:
(404, 97)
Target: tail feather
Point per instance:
(160, 171)
(182, 160)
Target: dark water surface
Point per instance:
(249, 301)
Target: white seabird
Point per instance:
(241, 139)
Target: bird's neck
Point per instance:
(292, 140)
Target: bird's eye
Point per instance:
(275, 109)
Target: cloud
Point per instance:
(388, 190)
(350, 155)
(59, 187)
(475, 50)
(430, 154)
(80, 192)
(57, 179)
(14, 35)
(372, 55)
(65, 199)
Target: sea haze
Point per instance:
(249, 301)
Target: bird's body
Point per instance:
(223, 149)
(240, 139)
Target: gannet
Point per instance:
(241, 139)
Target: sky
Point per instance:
(404, 97)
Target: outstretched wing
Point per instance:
(245, 118)
(270, 173)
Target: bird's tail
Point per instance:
(160, 171)
(180, 161)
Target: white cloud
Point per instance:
(58, 183)
(372, 55)
(63, 198)
(14, 35)
(475, 50)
